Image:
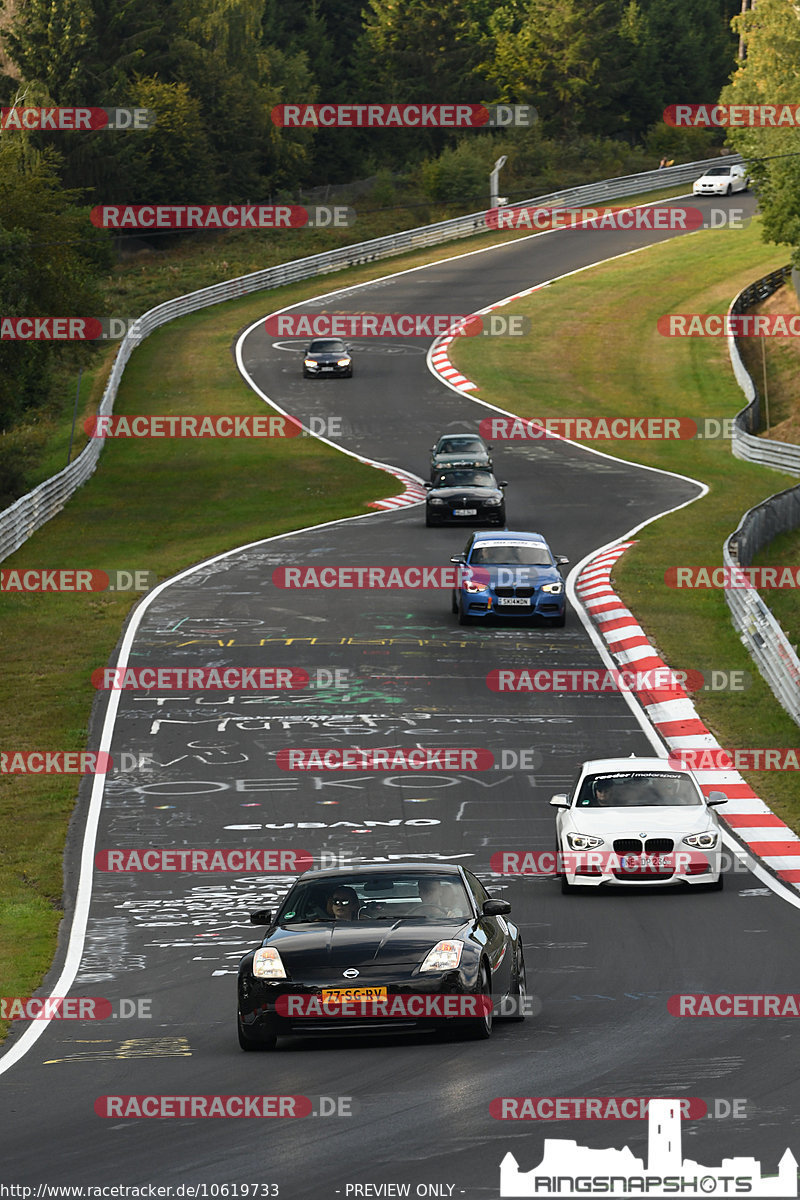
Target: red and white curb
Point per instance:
(675, 718)
(442, 366)
(413, 494)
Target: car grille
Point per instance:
(515, 591)
(651, 846)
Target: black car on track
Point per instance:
(465, 495)
(378, 947)
(327, 356)
(459, 450)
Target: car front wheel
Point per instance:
(478, 1028)
(247, 1042)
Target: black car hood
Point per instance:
(327, 357)
(451, 493)
(350, 944)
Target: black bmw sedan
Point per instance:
(327, 356)
(465, 495)
(382, 946)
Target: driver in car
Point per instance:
(344, 904)
(436, 899)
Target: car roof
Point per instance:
(601, 766)
(506, 535)
(382, 868)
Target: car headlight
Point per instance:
(311, 362)
(703, 841)
(267, 964)
(493, 500)
(343, 362)
(555, 589)
(444, 956)
(435, 500)
(471, 587)
(582, 841)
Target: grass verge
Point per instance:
(597, 343)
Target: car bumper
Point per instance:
(705, 870)
(446, 516)
(335, 371)
(546, 608)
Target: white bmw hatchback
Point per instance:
(721, 181)
(637, 822)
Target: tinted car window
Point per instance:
(327, 346)
(618, 789)
(529, 556)
(379, 898)
(478, 890)
(466, 479)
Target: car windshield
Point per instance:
(326, 346)
(408, 896)
(449, 479)
(637, 789)
(528, 556)
(461, 446)
(719, 171)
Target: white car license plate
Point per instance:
(465, 512)
(327, 368)
(514, 601)
(636, 863)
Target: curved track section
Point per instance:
(602, 966)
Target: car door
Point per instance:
(495, 933)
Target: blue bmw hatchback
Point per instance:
(514, 575)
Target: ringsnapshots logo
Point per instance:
(567, 1169)
(403, 116)
(75, 120)
(64, 329)
(732, 116)
(221, 216)
(396, 325)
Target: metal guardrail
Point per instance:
(24, 517)
(760, 632)
(744, 444)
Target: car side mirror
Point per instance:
(714, 798)
(428, 485)
(262, 917)
(495, 908)
(490, 447)
(503, 483)
(559, 801)
(561, 560)
(457, 558)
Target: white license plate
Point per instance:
(514, 601)
(465, 512)
(327, 368)
(647, 862)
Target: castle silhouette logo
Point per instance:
(568, 1169)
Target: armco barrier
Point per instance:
(761, 633)
(24, 517)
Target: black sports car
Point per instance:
(459, 450)
(327, 356)
(465, 495)
(379, 946)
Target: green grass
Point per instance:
(597, 343)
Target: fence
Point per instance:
(762, 635)
(23, 518)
